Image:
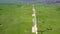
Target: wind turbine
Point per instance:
(34, 27)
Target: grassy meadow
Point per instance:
(17, 19)
(48, 18)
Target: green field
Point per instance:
(17, 19)
(49, 15)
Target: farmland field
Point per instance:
(17, 19)
(48, 18)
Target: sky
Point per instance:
(17, 0)
(2, 1)
(8, 1)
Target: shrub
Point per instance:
(1, 9)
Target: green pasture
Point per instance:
(48, 18)
(17, 19)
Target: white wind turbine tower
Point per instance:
(34, 27)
